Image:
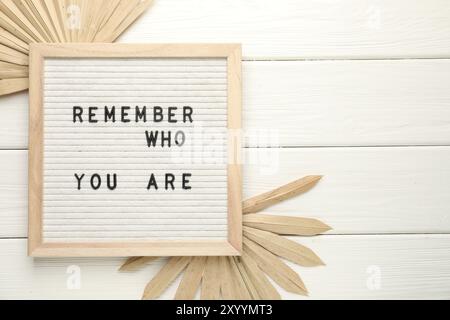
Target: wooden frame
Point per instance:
(36, 246)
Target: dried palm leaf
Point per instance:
(241, 292)
(10, 71)
(135, 263)
(289, 190)
(29, 12)
(275, 268)
(165, 276)
(25, 21)
(265, 289)
(123, 16)
(94, 13)
(12, 56)
(8, 86)
(61, 15)
(247, 280)
(226, 280)
(283, 247)
(191, 279)
(52, 14)
(210, 284)
(285, 225)
(11, 41)
(10, 8)
(13, 28)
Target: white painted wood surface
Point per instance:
(391, 113)
(358, 267)
(321, 103)
(364, 190)
(304, 29)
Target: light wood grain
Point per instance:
(165, 276)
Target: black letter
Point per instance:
(141, 114)
(92, 115)
(183, 138)
(99, 181)
(172, 114)
(152, 182)
(79, 180)
(77, 112)
(110, 114)
(186, 181)
(172, 178)
(152, 138)
(166, 138)
(108, 176)
(125, 114)
(187, 113)
(157, 114)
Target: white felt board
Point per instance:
(130, 211)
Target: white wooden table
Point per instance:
(358, 91)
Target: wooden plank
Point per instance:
(364, 190)
(364, 267)
(341, 103)
(299, 29)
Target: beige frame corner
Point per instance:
(38, 248)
